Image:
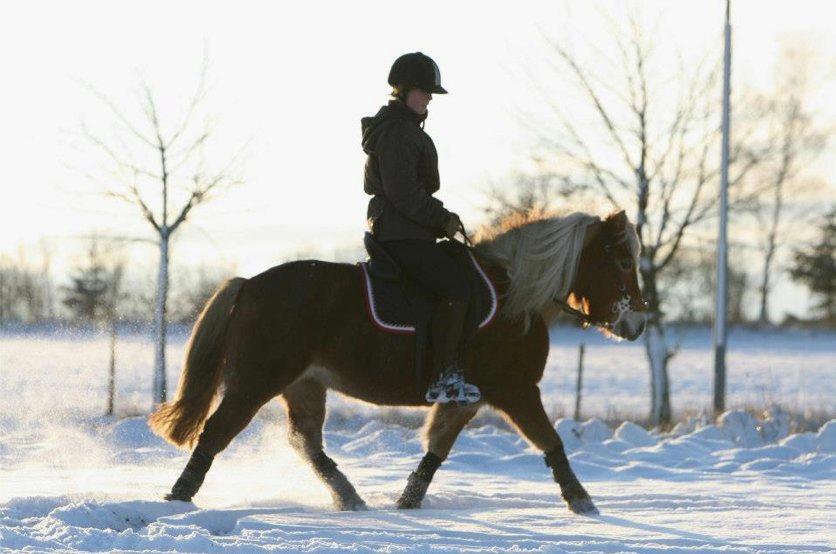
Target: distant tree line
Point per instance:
(97, 288)
(27, 292)
(99, 285)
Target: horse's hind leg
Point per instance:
(525, 410)
(444, 423)
(235, 411)
(305, 401)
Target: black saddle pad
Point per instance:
(397, 306)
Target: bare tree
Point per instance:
(178, 180)
(797, 141)
(641, 136)
(528, 192)
(688, 283)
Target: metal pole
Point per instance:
(722, 252)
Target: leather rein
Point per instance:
(584, 318)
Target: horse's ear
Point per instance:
(619, 219)
(592, 231)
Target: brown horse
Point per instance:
(301, 328)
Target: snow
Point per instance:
(72, 480)
(700, 491)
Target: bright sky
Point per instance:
(296, 81)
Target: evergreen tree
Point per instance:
(87, 296)
(816, 268)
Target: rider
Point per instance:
(401, 174)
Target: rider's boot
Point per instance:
(447, 328)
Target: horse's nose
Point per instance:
(631, 325)
(640, 330)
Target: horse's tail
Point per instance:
(181, 421)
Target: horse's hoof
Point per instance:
(413, 494)
(408, 503)
(172, 496)
(353, 505)
(583, 506)
(349, 502)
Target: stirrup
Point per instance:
(451, 387)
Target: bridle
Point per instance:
(619, 308)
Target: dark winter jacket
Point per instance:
(401, 175)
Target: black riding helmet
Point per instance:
(416, 70)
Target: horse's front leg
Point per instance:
(444, 423)
(525, 410)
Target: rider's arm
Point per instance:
(398, 154)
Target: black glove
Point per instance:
(453, 226)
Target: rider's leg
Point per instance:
(447, 328)
(429, 264)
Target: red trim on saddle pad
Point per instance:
(409, 329)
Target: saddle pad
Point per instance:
(390, 310)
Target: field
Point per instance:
(72, 479)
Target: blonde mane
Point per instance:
(540, 252)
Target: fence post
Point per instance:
(579, 384)
(111, 380)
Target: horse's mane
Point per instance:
(540, 252)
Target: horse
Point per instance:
(301, 328)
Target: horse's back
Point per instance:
(304, 284)
(293, 308)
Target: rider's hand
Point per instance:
(452, 226)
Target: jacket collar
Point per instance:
(399, 110)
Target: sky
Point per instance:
(291, 81)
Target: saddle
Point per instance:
(396, 303)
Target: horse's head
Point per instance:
(606, 286)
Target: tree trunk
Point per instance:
(763, 317)
(656, 348)
(160, 389)
(771, 245)
(657, 355)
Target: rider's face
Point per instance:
(417, 100)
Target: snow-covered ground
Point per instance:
(716, 489)
(73, 480)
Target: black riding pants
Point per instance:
(426, 262)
